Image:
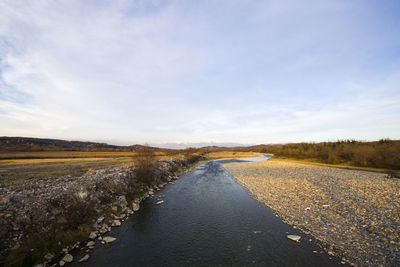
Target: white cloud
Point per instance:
(140, 71)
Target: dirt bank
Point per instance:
(355, 214)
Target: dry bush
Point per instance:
(145, 163)
(384, 153)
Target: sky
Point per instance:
(191, 72)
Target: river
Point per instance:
(207, 219)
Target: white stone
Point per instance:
(295, 238)
(90, 243)
(100, 219)
(135, 206)
(116, 223)
(68, 258)
(109, 239)
(92, 235)
(84, 258)
(160, 202)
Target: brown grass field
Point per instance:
(230, 154)
(20, 166)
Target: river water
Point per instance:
(207, 219)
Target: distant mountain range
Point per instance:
(26, 144)
(198, 145)
(30, 144)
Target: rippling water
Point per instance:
(207, 219)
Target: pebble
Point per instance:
(116, 223)
(84, 258)
(295, 238)
(356, 211)
(109, 239)
(67, 258)
(93, 235)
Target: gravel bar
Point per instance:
(354, 214)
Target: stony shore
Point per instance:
(354, 214)
(43, 220)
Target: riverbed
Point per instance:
(206, 219)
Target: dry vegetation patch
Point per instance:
(354, 213)
(230, 154)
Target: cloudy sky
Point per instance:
(137, 71)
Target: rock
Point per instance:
(114, 208)
(295, 238)
(48, 256)
(325, 206)
(135, 206)
(100, 219)
(308, 208)
(93, 235)
(122, 201)
(90, 243)
(109, 239)
(61, 263)
(67, 258)
(82, 194)
(160, 202)
(116, 223)
(84, 258)
(129, 211)
(103, 230)
(38, 265)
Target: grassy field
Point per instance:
(20, 166)
(63, 154)
(17, 167)
(230, 154)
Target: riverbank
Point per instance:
(42, 220)
(354, 214)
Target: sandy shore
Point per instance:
(355, 214)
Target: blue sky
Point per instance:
(160, 72)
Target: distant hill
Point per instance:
(29, 144)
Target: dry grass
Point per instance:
(63, 154)
(230, 154)
(341, 166)
(21, 166)
(13, 173)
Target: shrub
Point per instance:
(145, 163)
